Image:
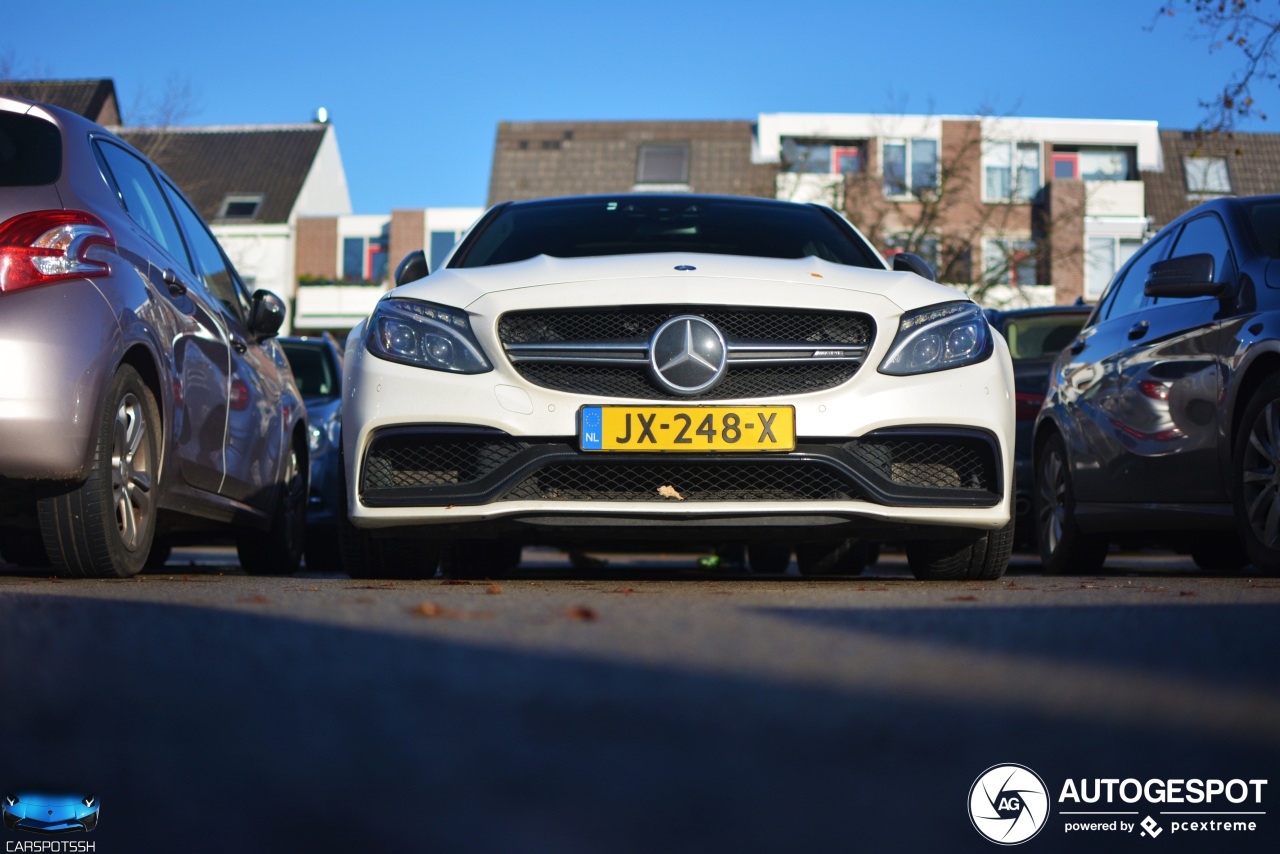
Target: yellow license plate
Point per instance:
(687, 428)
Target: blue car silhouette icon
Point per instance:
(40, 812)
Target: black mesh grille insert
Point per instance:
(415, 460)
(739, 382)
(635, 326)
(543, 327)
(943, 462)
(700, 481)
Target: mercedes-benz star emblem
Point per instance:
(687, 354)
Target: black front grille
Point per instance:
(932, 462)
(632, 324)
(412, 460)
(741, 381)
(692, 481)
(635, 326)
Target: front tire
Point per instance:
(984, 558)
(1256, 478)
(104, 527)
(365, 556)
(1063, 548)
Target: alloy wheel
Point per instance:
(132, 472)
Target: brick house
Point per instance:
(1052, 206)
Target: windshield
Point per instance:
(627, 225)
(1264, 219)
(311, 370)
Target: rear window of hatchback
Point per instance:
(30, 151)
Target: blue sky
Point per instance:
(416, 89)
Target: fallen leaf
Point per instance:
(257, 599)
(493, 589)
(1186, 593)
(433, 609)
(455, 582)
(626, 591)
(581, 613)
(668, 491)
(962, 598)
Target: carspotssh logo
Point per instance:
(1008, 804)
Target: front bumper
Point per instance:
(534, 480)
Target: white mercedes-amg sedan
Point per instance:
(605, 371)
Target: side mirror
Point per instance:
(412, 268)
(909, 262)
(266, 315)
(1188, 276)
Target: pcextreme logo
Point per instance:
(1008, 804)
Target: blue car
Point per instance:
(45, 813)
(317, 368)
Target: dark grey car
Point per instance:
(1162, 420)
(142, 394)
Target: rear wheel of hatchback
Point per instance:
(104, 527)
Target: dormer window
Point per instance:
(240, 206)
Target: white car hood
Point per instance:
(723, 279)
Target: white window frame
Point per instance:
(908, 164)
(988, 243)
(1204, 165)
(1093, 289)
(1011, 147)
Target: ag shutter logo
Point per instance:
(1008, 804)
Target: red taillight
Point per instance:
(1154, 390)
(239, 395)
(41, 247)
(1027, 405)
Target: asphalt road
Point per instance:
(646, 706)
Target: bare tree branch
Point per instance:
(1250, 27)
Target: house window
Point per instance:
(1066, 165)
(240, 206)
(666, 163)
(910, 166)
(441, 243)
(822, 157)
(846, 160)
(1105, 256)
(1012, 171)
(364, 259)
(925, 247)
(1009, 262)
(1206, 174)
(1101, 164)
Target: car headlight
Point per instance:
(425, 335)
(937, 338)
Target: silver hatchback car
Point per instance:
(142, 393)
